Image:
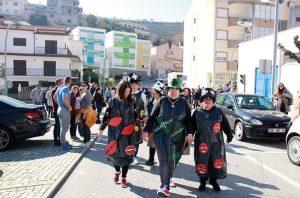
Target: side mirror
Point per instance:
(230, 107)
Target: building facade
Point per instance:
(144, 56)
(62, 12)
(214, 28)
(166, 58)
(36, 54)
(11, 8)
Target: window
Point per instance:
(194, 39)
(69, 11)
(297, 19)
(50, 47)
(195, 20)
(194, 58)
(20, 67)
(220, 99)
(222, 12)
(228, 101)
(221, 35)
(49, 68)
(19, 41)
(69, 21)
(16, 4)
(221, 57)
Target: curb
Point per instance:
(54, 188)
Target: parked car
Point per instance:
(19, 121)
(253, 116)
(293, 142)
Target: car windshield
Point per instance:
(11, 101)
(253, 102)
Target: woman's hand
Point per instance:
(146, 136)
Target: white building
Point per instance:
(250, 54)
(36, 54)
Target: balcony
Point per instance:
(40, 72)
(46, 51)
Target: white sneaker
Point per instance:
(135, 161)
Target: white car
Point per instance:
(293, 142)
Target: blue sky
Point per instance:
(159, 10)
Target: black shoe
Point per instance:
(57, 143)
(149, 163)
(202, 187)
(215, 185)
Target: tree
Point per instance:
(91, 21)
(90, 75)
(157, 42)
(288, 52)
(38, 19)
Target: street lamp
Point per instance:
(230, 63)
(5, 61)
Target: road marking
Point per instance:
(274, 172)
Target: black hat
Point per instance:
(133, 78)
(208, 93)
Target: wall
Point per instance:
(144, 56)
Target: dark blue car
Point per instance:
(253, 116)
(19, 121)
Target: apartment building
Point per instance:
(144, 56)
(36, 54)
(11, 8)
(166, 58)
(31, 8)
(213, 30)
(64, 12)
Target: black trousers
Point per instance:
(56, 130)
(124, 170)
(73, 126)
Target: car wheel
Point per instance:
(239, 132)
(293, 150)
(6, 138)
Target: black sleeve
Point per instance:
(188, 120)
(106, 118)
(152, 118)
(194, 121)
(226, 127)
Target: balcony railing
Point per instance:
(56, 51)
(40, 72)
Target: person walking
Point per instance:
(173, 117)
(37, 95)
(63, 97)
(157, 92)
(140, 101)
(120, 119)
(99, 102)
(209, 122)
(56, 129)
(284, 98)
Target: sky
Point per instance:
(159, 10)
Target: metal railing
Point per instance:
(40, 72)
(57, 51)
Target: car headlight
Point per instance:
(256, 122)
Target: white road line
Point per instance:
(274, 172)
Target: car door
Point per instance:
(228, 108)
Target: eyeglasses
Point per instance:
(83, 85)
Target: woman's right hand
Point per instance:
(146, 136)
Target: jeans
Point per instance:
(73, 125)
(86, 131)
(99, 109)
(163, 143)
(64, 119)
(56, 130)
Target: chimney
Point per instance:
(2, 20)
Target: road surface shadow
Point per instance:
(1, 173)
(278, 144)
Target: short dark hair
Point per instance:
(68, 79)
(122, 86)
(57, 81)
(86, 83)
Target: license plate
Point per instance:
(276, 130)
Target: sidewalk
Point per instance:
(35, 168)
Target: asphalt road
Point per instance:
(255, 169)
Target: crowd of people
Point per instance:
(168, 117)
